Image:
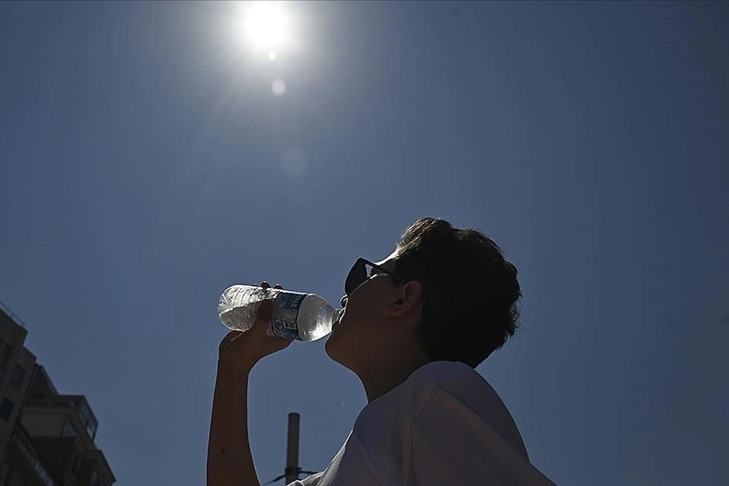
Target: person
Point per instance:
(414, 327)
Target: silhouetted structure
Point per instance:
(46, 438)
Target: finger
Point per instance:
(264, 315)
(278, 286)
(265, 285)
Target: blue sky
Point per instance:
(145, 165)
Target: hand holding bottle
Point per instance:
(240, 351)
(296, 315)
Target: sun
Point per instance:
(266, 25)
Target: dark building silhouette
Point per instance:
(46, 438)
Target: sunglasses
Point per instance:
(363, 270)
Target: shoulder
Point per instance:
(399, 407)
(456, 395)
(450, 376)
(442, 372)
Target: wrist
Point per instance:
(237, 368)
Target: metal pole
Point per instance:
(292, 449)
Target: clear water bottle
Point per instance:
(296, 315)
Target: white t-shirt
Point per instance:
(442, 426)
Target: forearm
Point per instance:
(230, 461)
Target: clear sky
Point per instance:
(146, 164)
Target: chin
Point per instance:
(327, 346)
(330, 345)
(335, 350)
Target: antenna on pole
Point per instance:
(292, 449)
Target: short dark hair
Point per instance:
(469, 290)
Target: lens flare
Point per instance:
(278, 87)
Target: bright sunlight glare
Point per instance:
(266, 25)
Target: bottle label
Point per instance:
(285, 313)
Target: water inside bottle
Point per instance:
(240, 318)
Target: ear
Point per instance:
(406, 299)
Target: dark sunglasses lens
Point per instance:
(357, 275)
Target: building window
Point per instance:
(17, 378)
(88, 418)
(6, 409)
(4, 354)
(68, 430)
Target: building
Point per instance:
(46, 438)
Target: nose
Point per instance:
(343, 301)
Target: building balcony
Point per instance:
(21, 443)
(76, 403)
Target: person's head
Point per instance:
(444, 292)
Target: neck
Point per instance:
(385, 376)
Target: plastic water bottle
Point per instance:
(296, 315)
